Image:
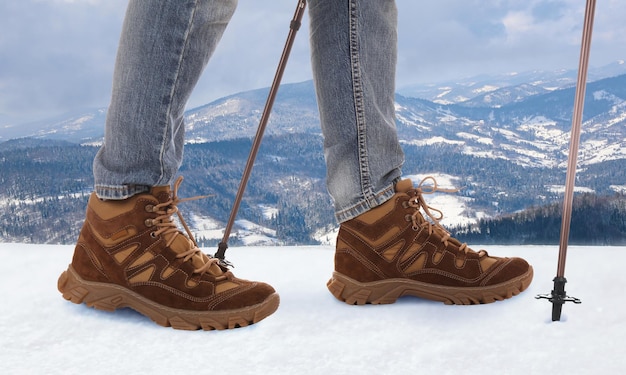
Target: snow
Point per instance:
(327, 236)
(251, 234)
(453, 205)
(479, 139)
(561, 189)
(604, 95)
(432, 141)
(313, 333)
(618, 188)
(9, 201)
(599, 151)
(444, 180)
(206, 227)
(617, 119)
(269, 211)
(529, 157)
(485, 89)
(510, 135)
(446, 91)
(544, 128)
(225, 108)
(468, 150)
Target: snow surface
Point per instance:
(313, 333)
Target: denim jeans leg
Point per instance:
(163, 50)
(354, 53)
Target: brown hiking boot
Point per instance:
(131, 254)
(392, 251)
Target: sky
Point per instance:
(57, 56)
(313, 333)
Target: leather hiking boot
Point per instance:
(392, 251)
(131, 254)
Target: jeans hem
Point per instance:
(365, 204)
(109, 192)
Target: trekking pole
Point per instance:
(558, 296)
(293, 28)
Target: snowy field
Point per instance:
(312, 333)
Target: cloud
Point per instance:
(517, 23)
(58, 55)
(451, 39)
(248, 54)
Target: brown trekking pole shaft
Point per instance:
(293, 28)
(579, 102)
(558, 295)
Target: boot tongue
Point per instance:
(182, 243)
(404, 186)
(162, 193)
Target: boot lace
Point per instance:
(167, 227)
(434, 215)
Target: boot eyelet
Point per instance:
(405, 204)
(153, 235)
(149, 223)
(407, 217)
(415, 228)
(149, 208)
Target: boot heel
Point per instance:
(352, 292)
(70, 290)
(76, 290)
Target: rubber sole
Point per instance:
(388, 291)
(110, 297)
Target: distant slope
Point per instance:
(506, 158)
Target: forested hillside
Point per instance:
(596, 220)
(506, 152)
(45, 185)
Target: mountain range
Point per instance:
(503, 139)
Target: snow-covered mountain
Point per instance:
(81, 126)
(530, 132)
(477, 91)
(486, 89)
(524, 118)
(238, 116)
(506, 145)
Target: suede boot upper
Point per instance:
(396, 241)
(135, 244)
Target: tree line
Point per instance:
(44, 186)
(596, 220)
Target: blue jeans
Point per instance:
(164, 48)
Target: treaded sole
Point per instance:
(388, 291)
(110, 297)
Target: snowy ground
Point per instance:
(312, 333)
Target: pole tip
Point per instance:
(558, 297)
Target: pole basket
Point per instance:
(558, 297)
